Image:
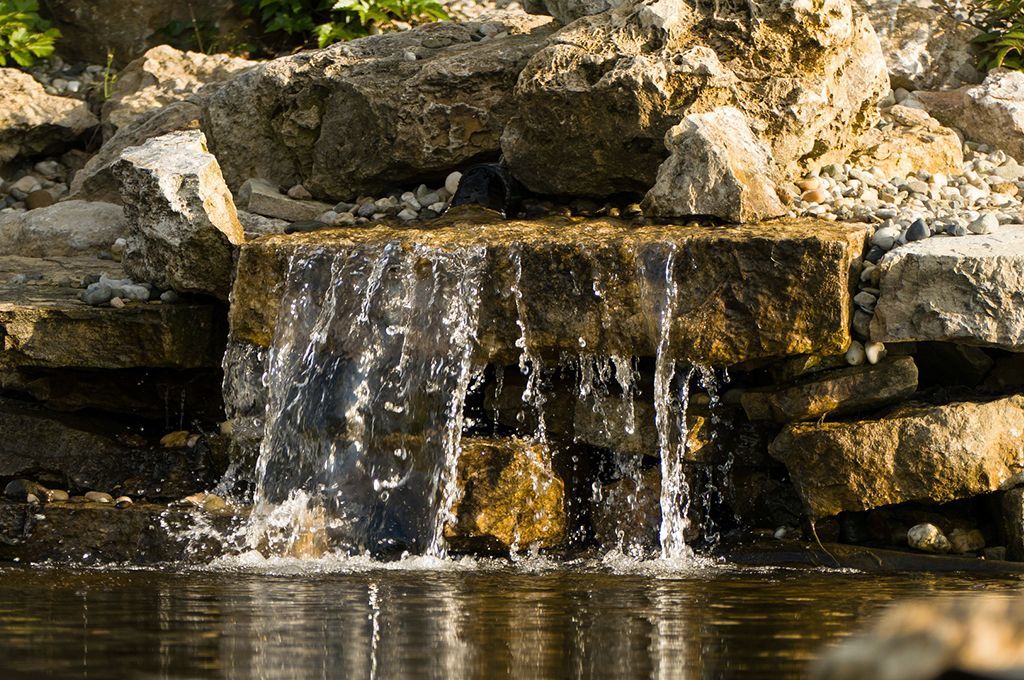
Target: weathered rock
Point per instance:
(716, 167)
(916, 453)
(847, 390)
(979, 635)
(610, 86)
(925, 48)
(257, 225)
(64, 229)
(928, 538)
(968, 290)
(96, 181)
(992, 112)
(323, 119)
(32, 121)
(182, 218)
(161, 76)
(511, 497)
(963, 541)
(46, 325)
(912, 142)
(80, 453)
(600, 284)
(124, 29)
(263, 198)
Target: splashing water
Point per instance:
(366, 381)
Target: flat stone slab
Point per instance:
(597, 286)
(916, 453)
(44, 324)
(968, 290)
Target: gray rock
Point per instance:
(918, 231)
(263, 198)
(183, 223)
(985, 224)
(97, 294)
(64, 229)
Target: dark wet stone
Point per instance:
(490, 186)
(20, 489)
(306, 226)
(874, 254)
(918, 231)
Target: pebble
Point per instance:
(815, 196)
(985, 224)
(928, 538)
(855, 356)
(57, 495)
(117, 303)
(407, 215)
(885, 238)
(451, 183)
(300, 193)
(122, 502)
(26, 185)
(97, 294)
(169, 297)
(39, 199)
(918, 231)
(874, 352)
(20, 489)
(99, 497)
(175, 440)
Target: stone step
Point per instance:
(915, 453)
(45, 325)
(968, 290)
(598, 286)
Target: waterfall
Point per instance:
(366, 382)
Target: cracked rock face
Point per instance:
(807, 75)
(32, 121)
(183, 227)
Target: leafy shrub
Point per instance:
(1001, 42)
(24, 35)
(329, 21)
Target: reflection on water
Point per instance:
(490, 621)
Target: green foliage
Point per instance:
(329, 21)
(24, 35)
(1001, 42)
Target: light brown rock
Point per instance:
(31, 121)
(912, 142)
(916, 453)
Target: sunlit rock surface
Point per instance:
(915, 453)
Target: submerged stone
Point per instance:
(916, 453)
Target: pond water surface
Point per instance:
(420, 619)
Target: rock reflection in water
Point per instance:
(468, 620)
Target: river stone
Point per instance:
(33, 122)
(609, 86)
(263, 198)
(68, 228)
(161, 76)
(736, 304)
(992, 112)
(183, 224)
(913, 142)
(511, 497)
(916, 453)
(847, 390)
(968, 290)
(925, 48)
(928, 538)
(716, 167)
(975, 635)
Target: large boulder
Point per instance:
(125, 29)
(717, 167)
(992, 112)
(161, 76)
(63, 229)
(910, 141)
(33, 122)
(925, 47)
(808, 76)
(510, 498)
(916, 453)
(182, 217)
(968, 290)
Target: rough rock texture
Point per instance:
(32, 122)
(510, 497)
(808, 76)
(601, 284)
(716, 167)
(912, 141)
(161, 76)
(925, 48)
(360, 117)
(182, 218)
(916, 453)
(64, 229)
(80, 454)
(263, 198)
(968, 290)
(96, 181)
(125, 29)
(848, 390)
(992, 112)
(45, 325)
(979, 635)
